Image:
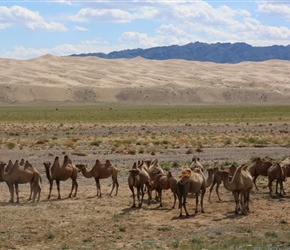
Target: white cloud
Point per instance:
(277, 10)
(30, 19)
(102, 15)
(79, 28)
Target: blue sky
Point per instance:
(29, 29)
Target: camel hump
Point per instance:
(67, 160)
(169, 174)
(98, 162)
(186, 173)
(108, 163)
(22, 162)
(134, 165)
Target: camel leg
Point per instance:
(76, 187)
(138, 195)
(31, 190)
(196, 202)
(201, 200)
(113, 186)
(159, 192)
(58, 188)
(149, 193)
(211, 188)
(174, 196)
(254, 181)
(117, 187)
(184, 206)
(270, 186)
(50, 188)
(217, 191)
(133, 194)
(98, 187)
(236, 197)
(11, 190)
(17, 192)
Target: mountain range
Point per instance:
(203, 52)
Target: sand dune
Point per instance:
(91, 79)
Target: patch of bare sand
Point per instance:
(91, 79)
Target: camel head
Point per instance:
(196, 164)
(2, 164)
(47, 164)
(81, 166)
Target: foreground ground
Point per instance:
(88, 222)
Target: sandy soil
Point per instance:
(88, 222)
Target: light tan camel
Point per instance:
(240, 185)
(139, 178)
(191, 182)
(101, 171)
(62, 172)
(20, 175)
(217, 180)
(164, 182)
(259, 167)
(276, 172)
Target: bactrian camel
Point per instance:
(139, 178)
(276, 172)
(164, 182)
(217, 180)
(101, 171)
(259, 167)
(191, 182)
(154, 169)
(61, 172)
(21, 174)
(240, 185)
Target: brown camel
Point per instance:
(139, 178)
(164, 182)
(191, 182)
(62, 172)
(20, 175)
(154, 170)
(217, 181)
(259, 167)
(240, 185)
(101, 171)
(276, 172)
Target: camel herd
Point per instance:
(147, 176)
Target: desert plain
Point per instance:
(224, 114)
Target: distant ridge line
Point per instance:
(203, 52)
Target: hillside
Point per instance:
(141, 81)
(203, 52)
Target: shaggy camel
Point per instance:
(17, 174)
(101, 171)
(138, 178)
(217, 181)
(240, 185)
(191, 182)
(164, 182)
(196, 164)
(154, 170)
(276, 172)
(62, 172)
(259, 167)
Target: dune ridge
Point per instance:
(91, 79)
